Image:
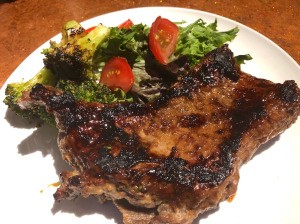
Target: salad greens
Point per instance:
(76, 62)
(129, 43)
(197, 39)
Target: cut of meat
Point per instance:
(169, 160)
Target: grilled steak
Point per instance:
(169, 160)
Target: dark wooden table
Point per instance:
(26, 24)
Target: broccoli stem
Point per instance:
(94, 38)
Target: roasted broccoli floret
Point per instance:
(72, 57)
(14, 92)
(92, 91)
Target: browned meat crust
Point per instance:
(169, 160)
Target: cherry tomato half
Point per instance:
(163, 38)
(126, 25)
(117, 73)
(90, 29)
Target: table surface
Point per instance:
(26, 24)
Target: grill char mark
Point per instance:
(287, 92)
(217, 115)
(98, 127)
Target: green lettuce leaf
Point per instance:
(197, 39)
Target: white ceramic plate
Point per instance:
(30, 162)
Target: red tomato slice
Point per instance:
(117, 73)
(126, 25)
(90, 29)
(163, 37)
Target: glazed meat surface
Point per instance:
(169, 160)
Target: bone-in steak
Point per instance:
(169, 160)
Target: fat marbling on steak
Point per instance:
(169, 160)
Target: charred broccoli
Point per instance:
(72, 57)
(87, 90)
(69, 67)
(14, 92)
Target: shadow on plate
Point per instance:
(266, 146)
(205, 215)
(42, 139)
(17, 121)
(88, 206)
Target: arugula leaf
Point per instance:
(197, 39)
